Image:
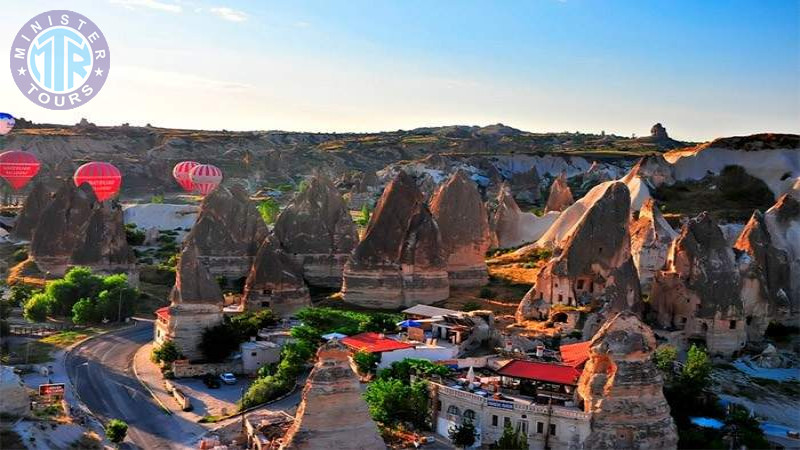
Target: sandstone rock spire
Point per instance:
(38, 199)
(651, 237)
(560, 194)
(275, 282)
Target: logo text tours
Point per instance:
(60, 59)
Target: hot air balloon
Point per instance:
(7, 122)
(181, 174)
(18, 167)
(205, 178)
(103, 177)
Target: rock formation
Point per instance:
(699, 290)
(464, 227)
(275, 282)
(316, 230)
(195, 304)
(651, 237)
(16, 401)
(38, 199)
(594, 266)
(511, 227)
(333, 414)
(658, 132)
(525, 185)
(623, 390)
(362, 188)
(76, 229)
(228, 232)
(765, 278)
(783, 224)
(401, 261)
(560, 195)
(648, 173)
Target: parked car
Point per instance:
(211, 381)
(228, 378)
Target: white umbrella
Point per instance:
(471, 375)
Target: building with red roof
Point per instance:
(374, 343)
(575, 355)
(541, 372)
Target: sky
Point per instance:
(703, 69)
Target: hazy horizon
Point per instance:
(365, 67)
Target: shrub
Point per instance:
(463, 435)
(366, 214)
(20, 293)
(116, 430)
(269, 210)
(402, 370)
(133, 235)
(249, 323)
(157, 198)
(366, 362)
(37, 307)
(165, 353)
(218, 342)
(391, 401)
(665, 357)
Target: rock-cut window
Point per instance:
(453, 410)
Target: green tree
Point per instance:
(366, 214)
(20, 293)
(249, 323)
(511, 440)
(166, 353)
(37, 307)
(85, 311)
(402, 370)
(665, 357)
(463, 435)
(133, 235)
(696, 373)
(391, 401)
(269, 210)
(218, 342)
(116, 430)
(157, 198)
(744, 429)
(366, 362)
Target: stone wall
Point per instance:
(184, 369)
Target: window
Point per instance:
(539, 427)
(732, 325)
(253, 354)
(560, 298)
(522, 427)
(552, 429)
(599, 250)
(506, 422)
(453, 410)
(494, 420)
(683, 319)
(580, 284)
(469, 415)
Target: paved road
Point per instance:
(102, 373)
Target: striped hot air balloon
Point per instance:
(206, 178)
(7, 122)
(181, 174)
(18, 167)
(103, 177)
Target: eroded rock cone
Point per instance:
(658, 132)
(401, 260)
(27, 219)
(316, 230)
(595, 266)
(511, 227)
(560, 195)
(195, 304)
(783, 224)
(651, 237)
(765, 278)
(464, 227)
(623, 389)
(228, 232)
(525, 185)
(333, 413)
(275, 282)
(76, 229)
(699, 290)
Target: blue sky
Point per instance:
(703, 69)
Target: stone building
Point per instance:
(195, 304)
(401, 261)
(316, 230)
(651, 237)
(464, 227)
(333, 413)
(228, 232)
(275, 282)
(699, 290)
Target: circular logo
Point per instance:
(60, 59)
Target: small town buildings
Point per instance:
(256, 354)
(548, 383)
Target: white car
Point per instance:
(228, 378)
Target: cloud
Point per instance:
(177, 80)
(229, 14)
(302, 24)
(150, 4)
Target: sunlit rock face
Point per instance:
(228, 232)
(195, 304)
(699, 289)
(401, 261)
(464, 227)
(511, 227)
(525, 186)
(75, 229)
(765, 278)
(35, 203)
(560, 195)
(333, 413)
(783, 224)
(316, 230)
(651, 237)
(594, 266)
(275, 282)
(623, 389)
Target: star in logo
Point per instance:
(99, 72)
(21, 71)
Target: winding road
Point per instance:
(101, 370)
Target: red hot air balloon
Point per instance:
(18, 167)
(181, 174)
(206, 178)
(103, 177)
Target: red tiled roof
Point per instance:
(540, 371)
(374, 343)
(163, 313)
(576, 354)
